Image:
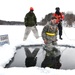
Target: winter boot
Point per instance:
(60, 37)
(24, 39)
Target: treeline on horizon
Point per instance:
(69, 18)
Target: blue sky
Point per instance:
(15, 10)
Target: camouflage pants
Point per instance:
(28, 30)
(48, 47)
(50, 44)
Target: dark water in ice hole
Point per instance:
(67, 57)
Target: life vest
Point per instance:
(59, 17)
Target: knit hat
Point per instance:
(31, 9)
(57, 8)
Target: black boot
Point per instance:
(60, 37)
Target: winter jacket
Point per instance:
(30, 19)
(52, 29)
(59, 17)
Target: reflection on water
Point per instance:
(18, 60)
(67, 58)
(36, 56)
(26, 57)
(52, 59)
(31, 58)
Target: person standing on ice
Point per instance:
(59, 17)
(30, 22)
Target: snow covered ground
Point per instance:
(16, 34)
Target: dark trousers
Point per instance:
(60, 29)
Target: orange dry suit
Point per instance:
(59, 17)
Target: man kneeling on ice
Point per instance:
(49, 35)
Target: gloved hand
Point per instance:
(60, 20)
(36, 24)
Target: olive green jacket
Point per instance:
(30, 19)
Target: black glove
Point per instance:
(60, 20)
(36, 24)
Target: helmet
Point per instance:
(31, 9)
(57, 8)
